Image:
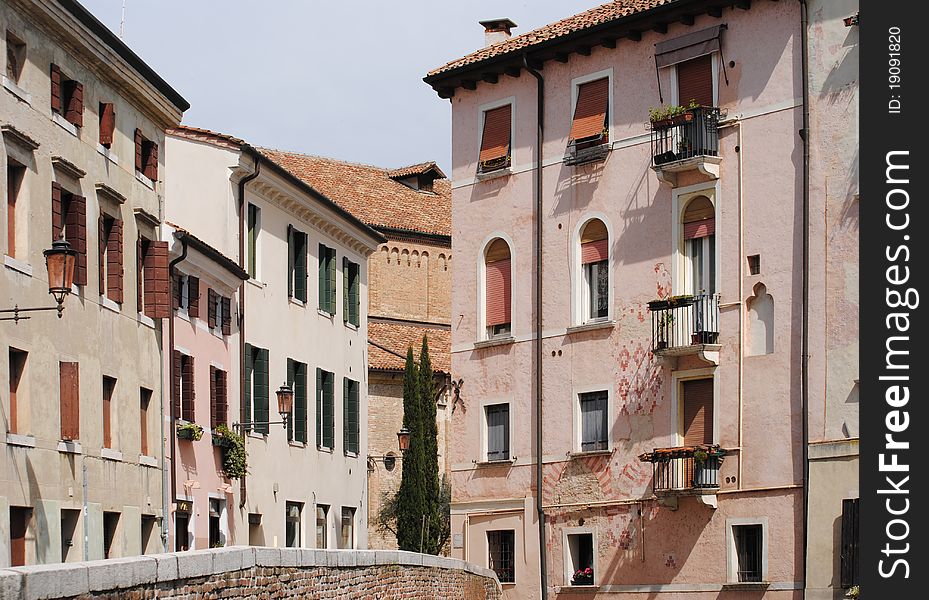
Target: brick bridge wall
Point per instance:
(264, 573)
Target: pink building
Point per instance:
(663, 354)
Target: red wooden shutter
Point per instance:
(57, 216)
(138, 150)
(227, 316)
(495, 141)
(698, 412)
(151, 162)
(187, 399)
(498, 292)
(74, 112)
(107, 123)
(590, 112)
(140, 247)
(592, 252)
(211, 308)
(56, 88)
(69, 400)
(76, 234)
(102, 244)
(114, 262)
(193, 296)
(157, 281)
(222, 403)
(695, 81)
(176, 290)
(213, 399)
(176, 384)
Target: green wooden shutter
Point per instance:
(300, 267)
(290, 382)
(252, 238)
(346, 438)
(261, 391)
(329, 410)
(300, 403)
(346, 301)
(331, 269)
(351, 415)
(323, 281)
(354, 294)
(319, 407)
(290, 262)
(249, 367)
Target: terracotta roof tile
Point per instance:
(416, 170)
(205, 135)
(397, 337)
(595, 16)
(370, 194)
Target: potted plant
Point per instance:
(583, 577)
(702, 472)
(189, 431)
(665, 322)
(235, 458)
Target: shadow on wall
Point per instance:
(576, 186)
(646, 218)
(490, 188)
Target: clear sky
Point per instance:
(340, 79)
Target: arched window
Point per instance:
(497, 287)
(699, 222)
(595, 254)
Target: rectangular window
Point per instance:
(217, 508)
(182, 527)
(501, 550)
(69, 540)
(697, 411)
(69, 400)
(326, 277)
(325, 409)
(146, 156)
(296, 377)
(350, 415)
(849, 550)
(20, 519)
(257, 387)
(590, 126)
(347, 531)
(322, 526)
(110, 238)
(153, 281)
(581, 558)
(109, 387)
(145, 398)
(15, 174)
(219, 406)
(254, 227)
(296, 264)
(18, 400)
(351, 296)
(15, 57)
(107, 123)
(498, 300)
(498, 431)
(749, 548)
(754, 264)
(496, 139)
(110, 530)
(69, 219)
(182, 389)
(294, 513)
(67, 97)
(597, 275)
(594, 421)
(695, 81)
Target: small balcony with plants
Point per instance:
(687, 324)
(685, 470)
(684, 138)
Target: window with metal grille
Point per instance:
(501, 549)
(594, 421)
(498, 431)
(749, 548)
(849, 553)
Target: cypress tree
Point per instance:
(430, 454)
(411, 498)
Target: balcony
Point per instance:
(684, 325)
(589, 150)
(685, 470)
(686, 142)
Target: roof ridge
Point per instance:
(320, 157)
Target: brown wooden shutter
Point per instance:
(74, 112)
(56, 88)
(107, 123)
(76, 234)
(102, 244)
(695, 81)
(222, 397)
(590, 112)
(495, 141)
(138, 150)
(57, 216)
(227, 316)
(211, 308)
(698, 412)
(213, 399)
(140, 271)
(151, 162)
(176, 290)
(157, 281)
(498, 292)
(176, 384)
(187, 400)
(114, 262)
(193, 296)
(69, 400)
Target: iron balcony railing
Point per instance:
(683, 321)
(685, 469)
(693, 133)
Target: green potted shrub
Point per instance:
(189, 431)
(234, 456)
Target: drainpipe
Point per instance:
(540, 510)
(243, 489)
(805, 344)
(173, 416)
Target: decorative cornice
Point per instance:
(105, 190)
(67, 167)
(19, 138)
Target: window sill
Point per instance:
(746, 585)
(592, 326)
(323, 313)
(296, 302)
(65, 124)
(17, 265)
(148, 461)
(17, 439)
(294, 444)
(351, 454)
(110, 454)
(586, 453)
(108, 154)
(146, 320)
(145, 180)
(181, 313)
(258, 284)
(16, 90)
(592, 588)
(110, 304)
(256, 436)
(324, 449)
(218, 333)
(497, 341)
(481, 464)
(351, 326)
(70, 447)
(504, 172)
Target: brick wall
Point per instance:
(410, 281)
(246, 572)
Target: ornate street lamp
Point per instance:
(403, 439)
(59, 262)
(285, 406)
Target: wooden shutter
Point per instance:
(177, 293)
(222, 398)
(329, 410)
(108, 385)
(140, 247)
(354, 417)
(57, 214)
(193, 296)
(55, 74)
(698, 412)
(699, 218)
(354, 294)
(495, 139)
(695, 81)
(319, 407)
(291, 367)
(214, 397)
(227, 315)
(19, 527)
(849, 550)
(74, 112)
(299, 417)
(102, 244)
(188, 393)
(590, 112)
(247, 376)
(331, 271)
(157, 281)
(69, 399)
(593, 252)
(211, 308)
(261, 390)
(498, 292)
(176, 384)
(345, 286)
(300, 270)
(76, 234)
(150, 155)
(291, 261)
(138, 150)
(107, 123)
(114, 262)
(346, 435)
(322, 283)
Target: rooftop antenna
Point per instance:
(122, 21)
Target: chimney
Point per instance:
(497, 30)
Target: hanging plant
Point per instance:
(235, 459)
(189, 431)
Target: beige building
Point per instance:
(83, 119)
(409, 297)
